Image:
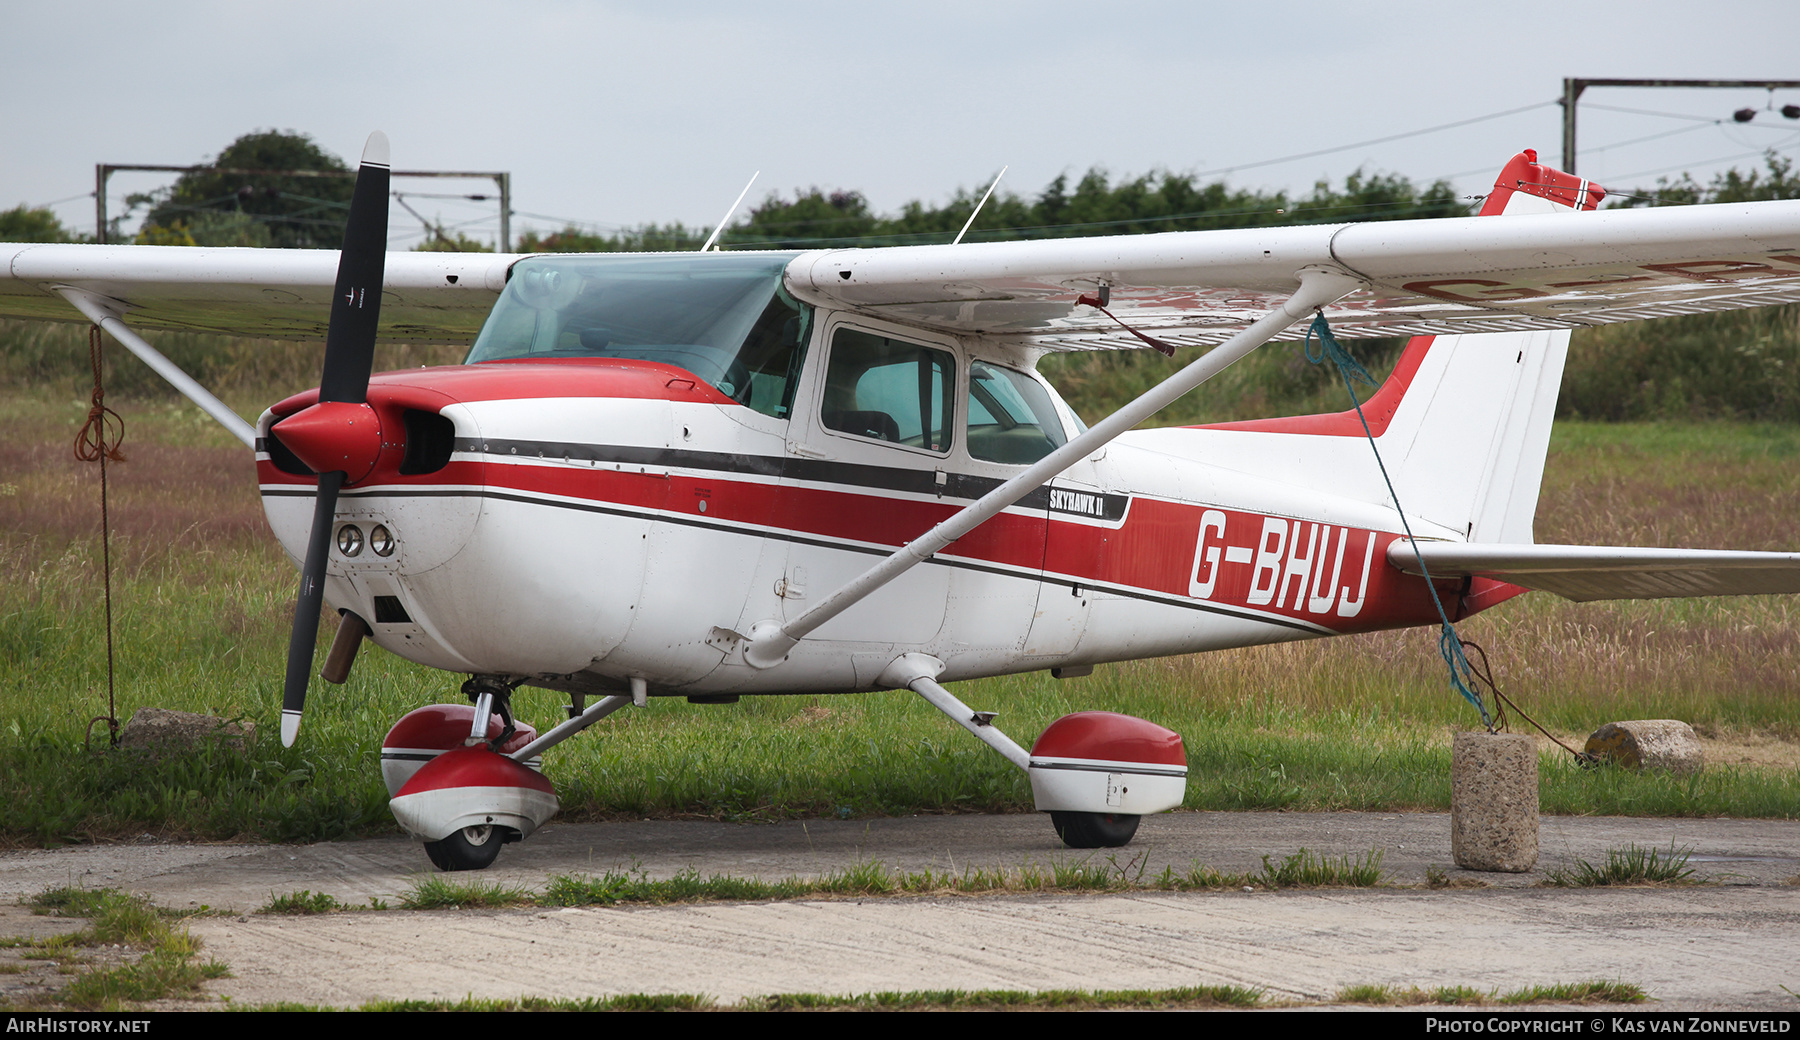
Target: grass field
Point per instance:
(202, 596)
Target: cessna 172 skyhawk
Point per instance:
(730, 473)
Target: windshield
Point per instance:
(725, 317)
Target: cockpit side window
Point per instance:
(889, 390)
(1011, 417)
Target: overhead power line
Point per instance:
(1376, 140)
(1684, 115)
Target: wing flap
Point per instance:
(1595, 572)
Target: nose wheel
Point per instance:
(1092, 830)
(471, 848)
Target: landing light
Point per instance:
(381, 540)
(350, 540)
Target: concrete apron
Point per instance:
(1729, 945)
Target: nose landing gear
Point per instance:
(455, 783)
(464, 779)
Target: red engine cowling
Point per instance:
(422, 735)
(1104, 762)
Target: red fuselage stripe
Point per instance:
(1328, 576)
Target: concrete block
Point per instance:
(158, 729)
(1494, 802)
(1649, 744)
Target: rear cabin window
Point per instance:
(889, 390)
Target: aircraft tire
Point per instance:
(472, 848)
(1087, 830)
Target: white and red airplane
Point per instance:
(721, 474)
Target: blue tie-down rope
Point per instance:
(1462, 677)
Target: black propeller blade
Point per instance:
(323, 437)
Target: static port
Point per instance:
(350, 539)
(381, 540)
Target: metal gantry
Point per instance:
(103, 173)
(1572, 89)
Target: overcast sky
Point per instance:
(612, 114)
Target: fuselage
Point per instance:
(578, 517)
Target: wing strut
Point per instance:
(105, 313)
(771, 640)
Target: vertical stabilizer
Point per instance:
(1463, 423)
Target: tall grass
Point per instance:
(251, 373)
(1732, 365)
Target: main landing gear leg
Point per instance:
(1096, 773)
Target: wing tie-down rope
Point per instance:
(1462, 676)
(97, 441)
(1103, 296)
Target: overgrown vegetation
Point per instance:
(1178, 998)
(166, 967)
(1185, 997)
(437, 892)
(1632, 865)
(1015, 1000)
(1302, 869)
(303, 902)
(1594, 992)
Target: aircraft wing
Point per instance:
(280, 293)
(1591, 572)
(1459, 275)
(1469, 274)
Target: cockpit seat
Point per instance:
(879, 425)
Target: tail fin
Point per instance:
(1463, 423)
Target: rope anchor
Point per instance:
(1450, 646)
(98, 441)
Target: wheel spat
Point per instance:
(326, 438)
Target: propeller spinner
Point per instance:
(334, 436)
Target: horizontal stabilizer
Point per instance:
(1590, 572)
